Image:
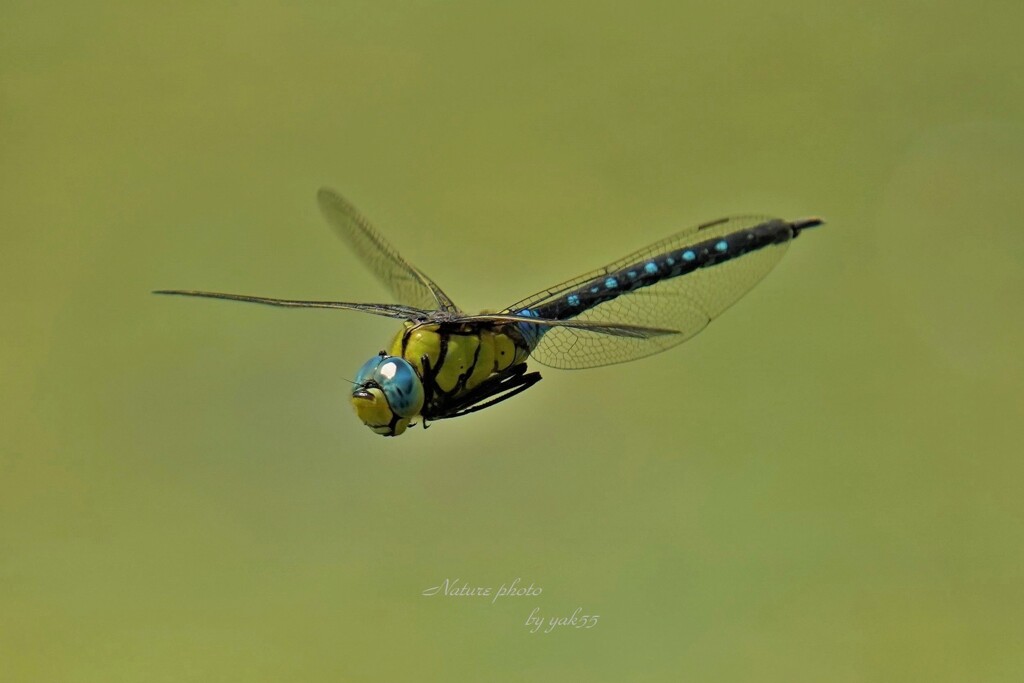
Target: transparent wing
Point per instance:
(614, 329)
(386, 310)
(408, 284)
(686, 303)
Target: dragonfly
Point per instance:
(445, 363)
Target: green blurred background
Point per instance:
(823, 486)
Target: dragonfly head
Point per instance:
(387, 394)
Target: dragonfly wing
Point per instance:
(386, 310)
(408, 284)
(685, 303)
(614, 329)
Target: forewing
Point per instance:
(408, 284)
(386, 310)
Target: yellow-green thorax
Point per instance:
(452, 359)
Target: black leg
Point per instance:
(498, 388)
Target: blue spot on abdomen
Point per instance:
(531, 333)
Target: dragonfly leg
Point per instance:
(497, 388)
(429, 380)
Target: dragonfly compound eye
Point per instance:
(387, 394)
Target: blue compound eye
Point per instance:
(396, 379)
(366, 372)
(401, 386)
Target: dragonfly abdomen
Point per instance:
(667, 265)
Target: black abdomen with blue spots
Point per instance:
(704, 254)
(680, 283)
